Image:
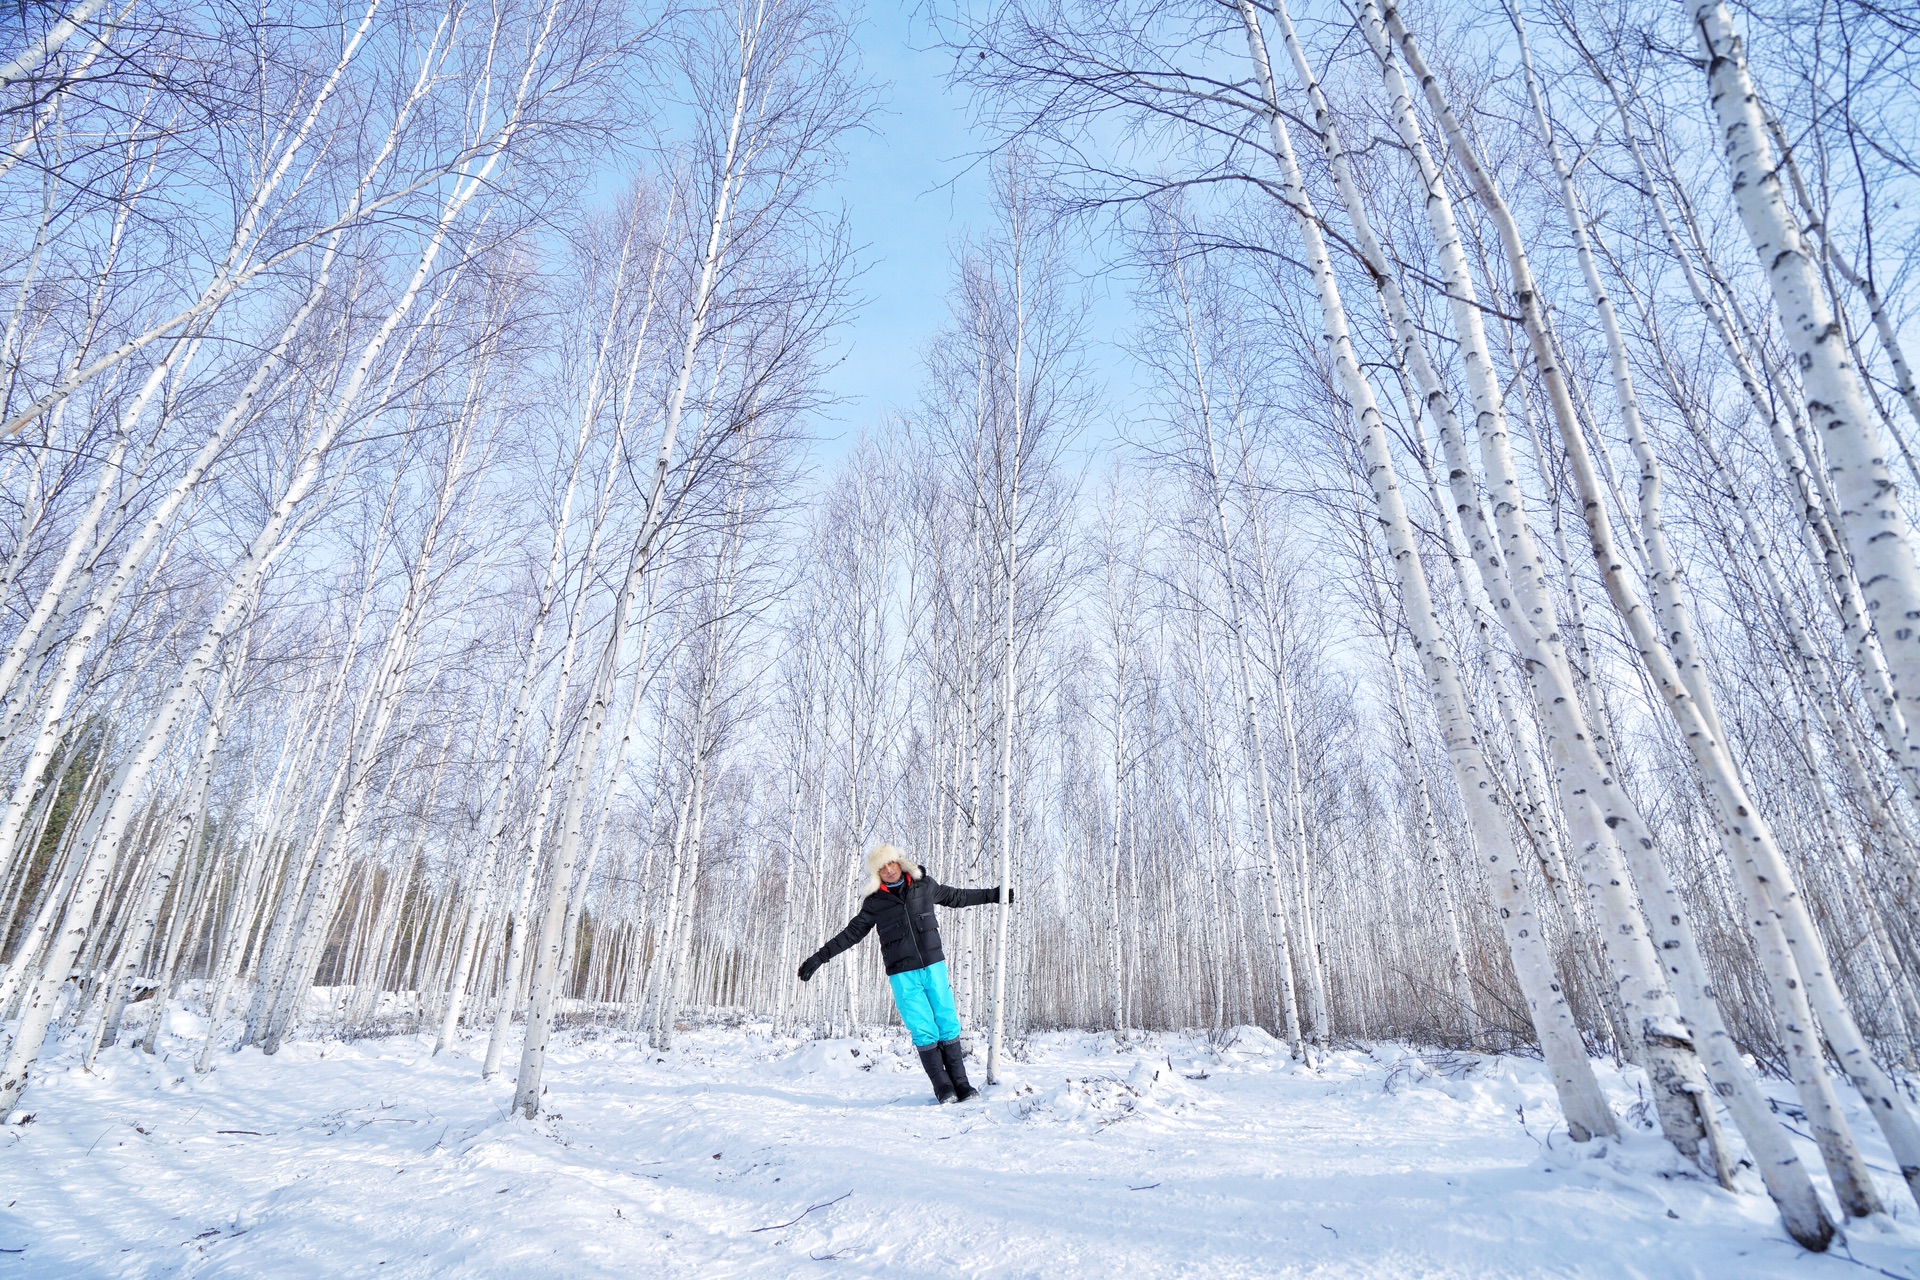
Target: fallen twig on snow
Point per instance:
(1846, 1255)
(822, 1205)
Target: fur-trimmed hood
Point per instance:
(883, 854)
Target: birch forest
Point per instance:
(1404, 534)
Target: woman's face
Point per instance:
(890, 873)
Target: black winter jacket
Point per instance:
(909, 936)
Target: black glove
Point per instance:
(1002, 895)
(808, 968)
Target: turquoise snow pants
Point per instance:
(924, 998)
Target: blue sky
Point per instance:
(910, 196)
(913, 189)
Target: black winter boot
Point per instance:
(956, 1060)
(930, 1058)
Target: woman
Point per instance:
(899, 901)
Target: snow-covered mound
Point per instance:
(735, 1154)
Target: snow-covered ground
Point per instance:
(739, 1155)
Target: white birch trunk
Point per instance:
(239, 597)
(1875, 524)
(1278, 926)
(1516, 584)
(1786, 1178)
(546, 957)
(1841, 1154)
(175, 846)
(1582, 1103)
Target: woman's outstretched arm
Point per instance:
(949, 896)
(857, 928)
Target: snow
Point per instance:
(736, 1154)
